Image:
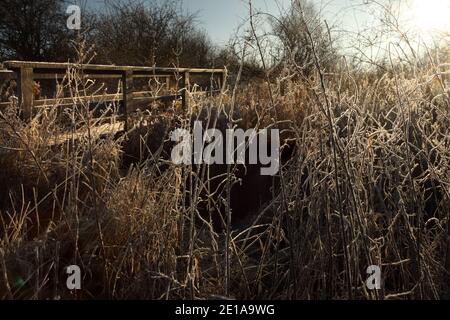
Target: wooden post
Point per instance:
(168, 85)
(224, 80)
(25, 91)
(282, 85)
(128, 95)
(185, 83)
(171, 84)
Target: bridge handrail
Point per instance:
(25, 72)
(13, 64)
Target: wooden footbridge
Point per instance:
(175, 84)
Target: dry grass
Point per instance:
(368, 184)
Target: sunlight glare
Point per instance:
(431, 15)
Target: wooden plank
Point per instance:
(70, 101)
(7, 75)
(143, 95)
(25, 91)
(128, 91)
(62, 66)
(189, 70)
(99, 67)
(59, 76)
(185, 86)
(164, 76)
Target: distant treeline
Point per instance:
(127, 32)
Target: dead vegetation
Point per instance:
(366, 182)
(370, 189)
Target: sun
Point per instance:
(431, 15)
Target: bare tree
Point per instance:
(142, 33)
(34, 30)
(291, 28)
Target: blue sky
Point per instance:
(220, 18)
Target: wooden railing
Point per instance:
(179, 80)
